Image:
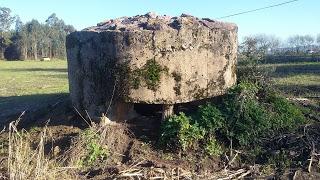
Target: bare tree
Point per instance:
(308, 40)
(274, 43)
(260, 44)
(295, 42)
(300, 42)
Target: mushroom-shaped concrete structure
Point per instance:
(149, 59)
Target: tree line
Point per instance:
(32, 40)
(297, 45)
(261, 48)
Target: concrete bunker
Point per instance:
(149, 59)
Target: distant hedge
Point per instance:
(273, 59)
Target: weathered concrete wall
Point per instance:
(150, 59)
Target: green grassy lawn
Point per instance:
(297, 79)
(31, 85)
(33, 77)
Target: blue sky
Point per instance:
(301, 17)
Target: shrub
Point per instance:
(245, 117)
(247, 114)
(213, 148)
(253, 123)
(178, 132)
(95, 152)
(287, 116)
(209, 117)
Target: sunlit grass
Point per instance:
(297, 79)
(301, 79)
(19, 78)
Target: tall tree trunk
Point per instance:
(50, 52)
(1, 53)
(42, 52)
(35, 52)
(1, 44)
(25, 53)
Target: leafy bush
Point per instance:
(246, 118)
(209, 117)
(213, 148)
(178, 132)
(95, 152)
(287, 116)
(253, 123)
(253, 112)
(247, 114)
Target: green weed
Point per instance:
(94, 151)
(178, 132)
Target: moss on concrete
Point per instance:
(150, 73)
(177, 89)
(200, 93)
(177, 77)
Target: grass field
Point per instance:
(30, 85)
(298, 79)
(33, 77)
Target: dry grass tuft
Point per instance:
(26, 162)
(99, 143)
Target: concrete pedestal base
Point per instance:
(167, 111)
